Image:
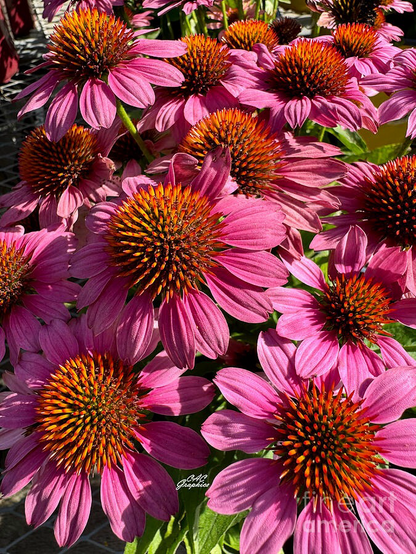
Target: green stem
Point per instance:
(275, 6)
(200, 13)
(224, 14)
(402, 150)
(321, 134)
(240, 10)
(130, 126)
(256, 15)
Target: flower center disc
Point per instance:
(204, 64)
(50, 167)
(245, 34)
(164, 239)
(255, 151)
(86, 412)
(327, 446)
(286, 29)
(389, 201)
(355, 11)
(14, 276)
(355, 39)
(310, 69)
(356, 308)
(87, 44)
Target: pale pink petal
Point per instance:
(277, 358)
(270, 523)
(214, 172)
(248, 392)
(297, 111)
(135, 328)
(195, 108)
(173, 444)
(97, 104)
(351, 535)
(127, 518)
(70, 200)
(62, 112)
(237, 487)
(160, 372)
(74, 510)
(229, 430)
(157, 72)
(288, 300)
(393, 353)
(390, 394)
(210, 327)
(398, 442)
(160, 48)
(308, 272)
(151, 486)
(186, 395)
(293, 327)
(351, 252)
(241, 300)
(258, 268)
(177, 332)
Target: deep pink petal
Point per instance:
(405, 312)
(19, 476)
(316, 532)
(131, 87)
(398, 442)
(357, 367)
(185, 395)
(151, 486)
(74, 510)
(97, 104)
(292, 327)
(237, 487)
(229, 430)
(195, 109)
(46, 492)
(214, 173)
(105, 310)
(177, 332)
(18, 411)
(127, 518)
(308, 272)
(393, 353)
(288, 300)
(135, 328)
(248, 392)
(157, 72)
(160, 372)
(57, 342)
(351, 252)
(257, 268)
(62, 113)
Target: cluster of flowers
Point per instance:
(154, 227)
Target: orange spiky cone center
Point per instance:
(355, 40)
(243, 35)
(14, 276)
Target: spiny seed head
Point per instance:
(50, 167)
(87, 411)
(244, 35)
(164, 239)
(286, 29)
(125, 148)
(14, 276)
(205, 63)
(87, 44)
(355, 40)
(356, 307)
(327, 446)
(355, 11)
(309, 68)
(255, 151)
(388, 201)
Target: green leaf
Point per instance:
(383, 154)
(212, 527)
(232, 537)
(350, 139)
(404, 335)
(151, 537)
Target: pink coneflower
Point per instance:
(186, 6)
(288, 170)
(310, 79)
(51, 7)
(214, 76)
(330, 458)
(400, 6)
(347, 312)
(381, 200)
(59, 177)
(400, 82)
(166, 241)
(98, 57)
(364, 51)
(33, 273)
(82, 409)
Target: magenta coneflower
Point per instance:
(99, 58)
(372, 197)
(51, 7)
(364, 51)
(33, 284)
(214, 76)
(165, 242)
(288, 170)
(310, 79)
(59, 177)
(80, 409)
(400, 82)
(331, 457)
(347, 312)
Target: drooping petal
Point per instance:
(62, 112)
(317, 354)
(357, 368)
(74, 510)
(47, 489)
(315, 532)
(351, 251)
(398, 442)
(177, 333)
(97, 104)
(135, 328)
(57, 342)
